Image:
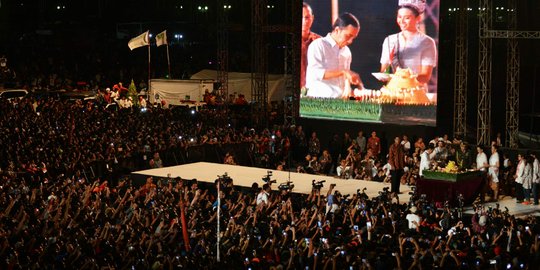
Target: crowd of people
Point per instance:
(55, 213)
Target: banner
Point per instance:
(139, 41)
(161, 38)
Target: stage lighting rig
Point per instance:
(266, 178)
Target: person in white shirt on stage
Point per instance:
(425, 159)
(406, 144)
(482, 165)
(493, 172)
(535, 178)
(481, 159)
(523, 179)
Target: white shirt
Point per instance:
(411, 218)
(419, 51)
(387, 168)
(524, 174)
(262, 197)
(425, 162)
(493, 167)
(536, 171)
(481, 161)
(406, 145)
(324, 54)
(506, 162)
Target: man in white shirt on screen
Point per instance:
(328, 71)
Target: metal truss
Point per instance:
(483, 123)
(292, 68)
(222, 52)
(508, 34)
(512, 82)
(259, 64)
(512, 75)
(460, 69)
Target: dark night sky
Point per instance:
(91, 25)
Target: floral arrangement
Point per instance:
(451, 167)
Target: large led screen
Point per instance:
(370, 60)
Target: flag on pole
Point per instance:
(139, 41)
(161, 38)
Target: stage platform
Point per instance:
(516, 209)
(246, 176)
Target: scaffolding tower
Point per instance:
(513, 69)
(292, 58)
(222, 86)
(483, 123)
(512, 81)
(259, 63)
(460, 69)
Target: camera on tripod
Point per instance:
(361, 194)
(266, 178)
(225, 178)
(287, 186)
(317, 184)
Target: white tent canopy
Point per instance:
(240, 83)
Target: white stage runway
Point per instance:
(245, 176)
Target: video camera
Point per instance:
(225, 178)
(413, 190)
(362, 194)
(317, 184)
(288, 186)
(266, 178)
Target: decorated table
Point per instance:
(441, 186)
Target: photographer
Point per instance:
(263, 195)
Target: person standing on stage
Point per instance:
(463, 156)
(481, 159)
(535, 178)
(493, 172)
(481, 165)
(361, 141)
(307, 38)
(406, 144)
(396, 159)
(425, 160)
(374, 143)
(523, 180)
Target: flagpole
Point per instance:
(169, 61)
(148, 85)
